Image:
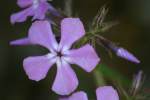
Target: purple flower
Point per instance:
(123, 53)
(102, 93)
(35, 8)
(37, 67)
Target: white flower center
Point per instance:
(59, 56)
(51, 55)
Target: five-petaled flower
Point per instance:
(102, 93)
(37, 67)
(35, 8)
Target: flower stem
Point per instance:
(99, 79)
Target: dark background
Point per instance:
(132, 32)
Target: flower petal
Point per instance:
(22, 41)
(85, 57)
(37, 67)
(72, 30)
(41, 33)
(41, 11)
(123, 53)
(22, 15)
(106, 93)
(77, 96)
(24, 3)
(66, 81)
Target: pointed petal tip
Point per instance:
(15, 42)
(123, 53)
(22, 41)
(12, 21)
(11, 43)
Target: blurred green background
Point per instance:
(132, 33)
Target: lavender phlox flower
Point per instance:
(35, 8)
(123, 53)
(102, 93)
(72, 29)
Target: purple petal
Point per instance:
(41, 33)
(77, 96)
(121, 52)
(41, 11)
(106, 93)
(24, 3)
(22, 15)
(37, 13)
(22, 41)
(72, 30)
(37, 67)
(85, 57)
(66, 81)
